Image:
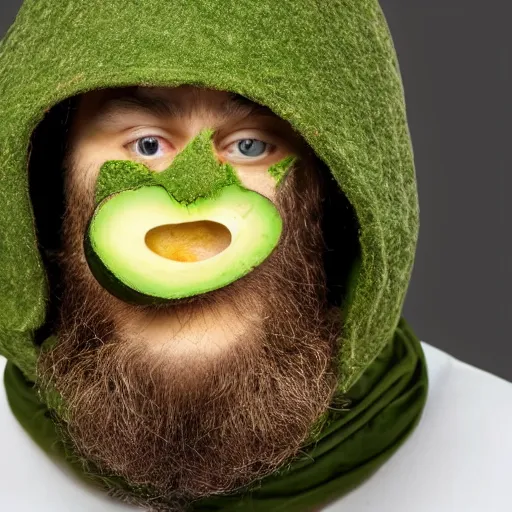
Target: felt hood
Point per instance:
(328, 68)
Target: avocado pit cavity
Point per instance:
(189, 241)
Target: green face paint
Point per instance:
(193, 228)
(280, 170)
(195, 172)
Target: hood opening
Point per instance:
(341, 236)
(47, 150)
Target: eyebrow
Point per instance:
(235, 106)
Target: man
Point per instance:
(264, 366)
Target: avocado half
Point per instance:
(145, 247)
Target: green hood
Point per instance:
(330, 70)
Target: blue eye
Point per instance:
(252, 147)
(148, 146)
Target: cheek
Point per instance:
(88, 154)
(80, 184)
(79, 165)
(258, 180)
(81, 181)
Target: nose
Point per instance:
(196, 171)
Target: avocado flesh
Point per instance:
(120, 258)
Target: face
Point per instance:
(204, 395)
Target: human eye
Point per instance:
(149, 147)
(248, 149)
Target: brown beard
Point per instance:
(190, 429)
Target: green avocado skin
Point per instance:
(111, 283)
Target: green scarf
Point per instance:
(378, 414)
(330, 70)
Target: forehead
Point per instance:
(182, 101)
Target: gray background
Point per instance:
(455, 57)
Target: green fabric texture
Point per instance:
(330, 70)
(371, 423)
(327, 68)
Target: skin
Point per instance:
(204, 395)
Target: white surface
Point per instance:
(458, 459)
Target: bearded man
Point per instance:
(209, 226)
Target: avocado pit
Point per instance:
(189, 241)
